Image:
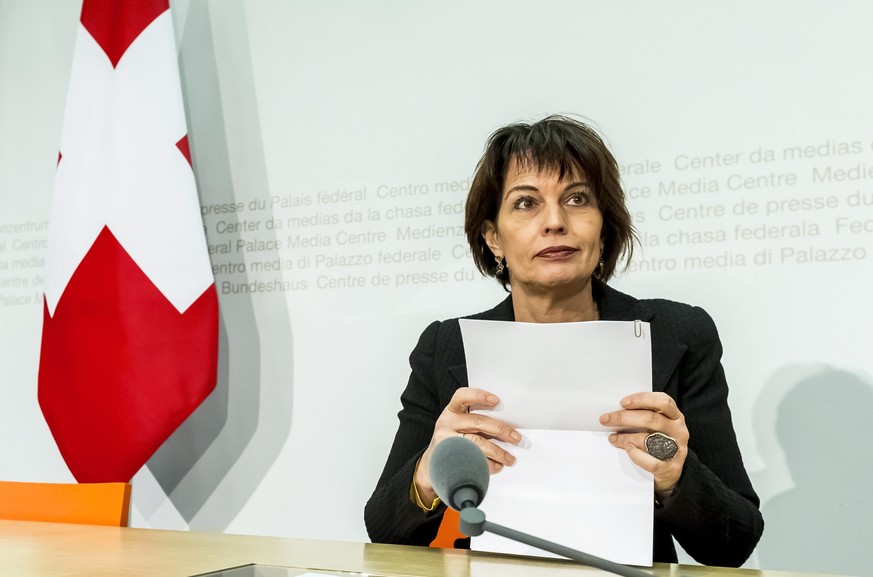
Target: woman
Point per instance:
(546, 216)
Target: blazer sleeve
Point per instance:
(390, 516)
(714, 512)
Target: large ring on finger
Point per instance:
(661, 447)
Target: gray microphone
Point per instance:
(459, 473)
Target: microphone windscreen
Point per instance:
(458, 463)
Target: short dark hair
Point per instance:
(557, 143)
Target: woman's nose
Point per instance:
(555, 222)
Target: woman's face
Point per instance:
(548, 229)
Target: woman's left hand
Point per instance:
(641, 415)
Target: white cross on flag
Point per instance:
(130, 330)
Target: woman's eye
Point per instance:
(523, 203)
(578, 199)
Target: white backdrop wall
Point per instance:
(333, 142)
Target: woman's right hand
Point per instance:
(456, 420)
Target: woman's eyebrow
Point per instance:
(532, 188)
(521, 187)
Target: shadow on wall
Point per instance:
(824, 522)
(210, 467)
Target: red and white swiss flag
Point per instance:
(130, 334)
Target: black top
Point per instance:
(713, 513)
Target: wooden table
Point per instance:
(36, 549)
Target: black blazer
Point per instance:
(713, 513)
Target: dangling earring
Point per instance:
(500, 266)
(599, 272)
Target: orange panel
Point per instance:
(85, 503)
(448, 531)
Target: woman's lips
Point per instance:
(556, 252)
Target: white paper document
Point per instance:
(569, 484)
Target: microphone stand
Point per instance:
(473, 523)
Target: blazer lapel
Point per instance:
(459, 372)
(665, 359)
